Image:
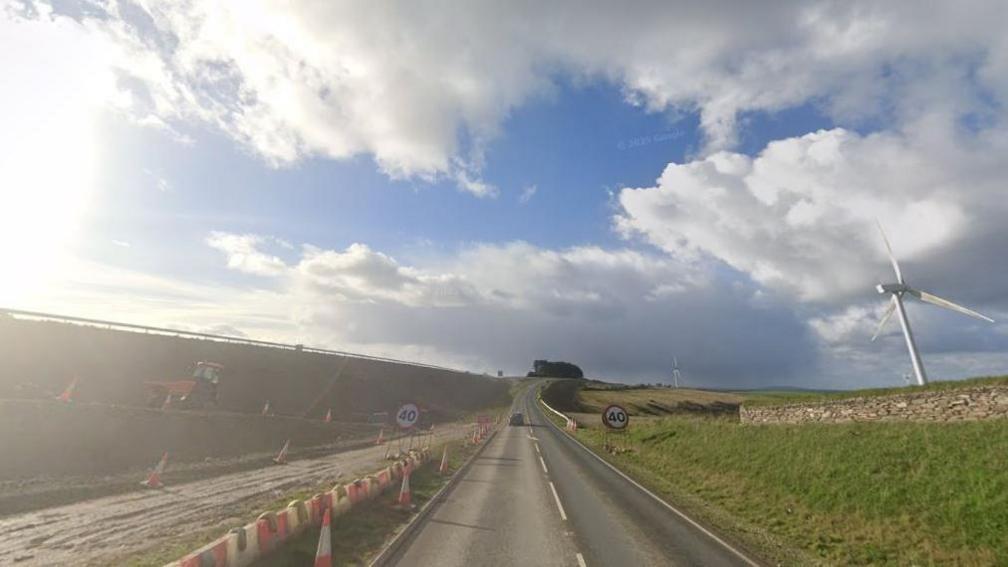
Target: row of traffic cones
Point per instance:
(154, 478)
(480, 432)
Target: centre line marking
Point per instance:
(581, 561)
(543, 464)
(563, 515)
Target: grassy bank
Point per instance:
(893, 493)
(786, 397)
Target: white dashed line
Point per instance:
(581, 561)
(563, 515)
(543, 463)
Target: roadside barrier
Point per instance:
(214, 554)
(246, 545)
(242, 546)
(323, 556)
(266, 528)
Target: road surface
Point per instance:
(104, 529)
(535, 497)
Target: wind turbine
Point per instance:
(897, 291)
(675, 372)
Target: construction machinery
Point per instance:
(198, 392)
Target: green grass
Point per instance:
(788, 397)
(878, 493)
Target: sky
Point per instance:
(479, 185)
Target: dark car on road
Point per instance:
(517, 419)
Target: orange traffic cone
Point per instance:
(328, 416)
(166, 404)
(443, 469)
(154, 480)
(67, 395)
(323, 557)
(381, 436)
(266, 408)
(281, 458)
(405, 495)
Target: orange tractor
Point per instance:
(199, 392)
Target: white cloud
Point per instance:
(617, 312)
(800, 217)
(421, 88)
(527, 193)
(799, 220)
(244, 255)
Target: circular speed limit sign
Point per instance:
(615, 417)
(407, 415)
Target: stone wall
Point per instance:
(942, 405)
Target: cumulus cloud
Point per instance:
(799, 220)
(800, 216)
(423, 90)
(620, 313)
(243, 253)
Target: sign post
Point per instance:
(615, 418)
(406, 418)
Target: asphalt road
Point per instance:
(536, 497)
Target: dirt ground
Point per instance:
(106, 531)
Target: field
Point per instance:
(659, 401)
(786, 397)
(860, 493)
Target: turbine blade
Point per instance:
(892, 258)
(885, 317)
(935, 300)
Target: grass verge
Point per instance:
(359, 535)
(856, 494)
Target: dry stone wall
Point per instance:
(942, 405)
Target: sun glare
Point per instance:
(48, 153)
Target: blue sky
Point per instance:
(486, 187)
(578, 146)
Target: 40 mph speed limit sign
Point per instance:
(407, 415)
(615, 417)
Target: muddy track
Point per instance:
(102, 530)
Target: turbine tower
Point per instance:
(897, 291)
(675, 372)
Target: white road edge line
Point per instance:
(563, 515)
(581, 562)
(541, 461)
(536, 445)
(673, 509)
